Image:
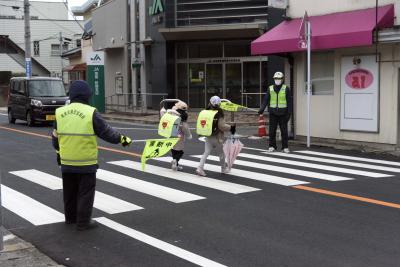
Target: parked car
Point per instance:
(35, 99)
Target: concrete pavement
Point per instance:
(18, 252)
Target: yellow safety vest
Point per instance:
(277, 100)
(76, 137)
(169, 125)
(205, 122)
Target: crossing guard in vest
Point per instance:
(75, 138)
(278, 99)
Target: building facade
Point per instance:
(51, 33)
(355, 78)
(189, 50)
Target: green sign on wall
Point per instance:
(95, 78)
(156, 8)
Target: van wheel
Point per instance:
(11, 119)
(29, 119)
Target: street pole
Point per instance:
(308, 84)
(61, 52)
(143, 66)
(28, 62)
(1, 219)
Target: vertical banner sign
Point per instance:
(359, 94)
(95, 78)
(28, 67)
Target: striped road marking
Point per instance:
(241, 173)
(339, 162)
(314, 166)
(103, 202)
(28, 208)
(154, 242)
(328, 155)
(188, 178)
(148, 188)
(308, 174)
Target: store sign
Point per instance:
(156, 10)
(359, 79)
(95, 78)
(359, 94)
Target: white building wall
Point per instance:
(40, 30)
(320, 7)
(325, 109)
(43, 10)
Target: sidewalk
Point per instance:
(17, 252)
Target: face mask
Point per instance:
(278, 82)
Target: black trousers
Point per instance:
(282, 121)
(177, 154)
(78, 191)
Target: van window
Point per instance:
(21, 88)
(14, 87)
(46, 88)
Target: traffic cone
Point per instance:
(262, 126)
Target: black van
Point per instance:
(35, 99)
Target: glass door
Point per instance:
(196, 85)
(233, 82)
(214, 81)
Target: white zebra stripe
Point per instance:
(188, 178)
(148, 188)
(241, 173)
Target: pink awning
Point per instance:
(345, 29)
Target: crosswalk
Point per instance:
(259, 168)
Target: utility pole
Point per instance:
(27, 18)
(61, 52)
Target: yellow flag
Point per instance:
(157, 148)
(229, 106)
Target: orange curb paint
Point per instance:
(341, 195)
(49, 137)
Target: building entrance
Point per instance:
(240, 80)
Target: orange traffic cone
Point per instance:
(261, 126)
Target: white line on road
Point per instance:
(29, 209)
(267, 167)
(148, 188)
(241, 173)
(339, 162)
(164, 246)
(103, 202)
(188, 178)
(314, 166)
(2, 114)
(329, 155)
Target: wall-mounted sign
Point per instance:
(359, 79)
(359, 94)
(156, 10)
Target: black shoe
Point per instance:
(87, 226)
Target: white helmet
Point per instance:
(215, 101)
(278, 75)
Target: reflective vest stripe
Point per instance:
(205, 122)
(76, 136)
(277, 100)
(72, 134)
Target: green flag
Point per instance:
(157, 148)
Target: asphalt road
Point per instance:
(273, 210)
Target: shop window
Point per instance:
(322, 73)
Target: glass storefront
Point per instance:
(219, 68)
